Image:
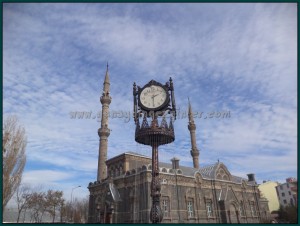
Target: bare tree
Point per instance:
(54, 201)
(37, 205)
(67, 211)
(84, 206)
(14, 158)
(62, 211)
(23, 195)
(77, 211)
(80, 210)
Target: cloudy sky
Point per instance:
(237, 58)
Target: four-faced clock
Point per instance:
(153, 97)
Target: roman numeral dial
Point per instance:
(153, 97)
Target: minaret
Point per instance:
(104, 131)
(192, 128)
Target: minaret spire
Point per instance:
(104, 131)
(192, 128)
(190, 113)
(106, 80)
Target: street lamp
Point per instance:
(72, 192)
(72, 201)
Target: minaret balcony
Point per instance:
(192, 126)
(195, 152)
(103, 132)
(105, 99)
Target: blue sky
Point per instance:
(237, 57)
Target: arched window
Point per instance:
(179, 171)
(219, 176)
(209, 209)
(222, 175)
(190, 207)
(242, 209)
(252, 208)
(225, 177)
(171, 171)
(165, 206)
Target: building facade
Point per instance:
(268, 190)
(206, 194)
(287, 193)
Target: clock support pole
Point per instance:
(155, 213)
(154, 135)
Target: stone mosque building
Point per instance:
(210, 194)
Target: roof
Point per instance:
(210, 171)
(127, 153)
(187, 171)
(114, 192)
(207, 172)
(136, 154)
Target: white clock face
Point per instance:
(153, 96)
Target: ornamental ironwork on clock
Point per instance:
(154, 97)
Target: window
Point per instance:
(144, 167)
(252, 209)
(290, 193)
(166, 206)
(190, 208)
(242, 210)
(288, 185)
(225, 177)
(209, 209)
(284, 201)
(164, 181)
(282, 194)
(179, 171)
(281, 188)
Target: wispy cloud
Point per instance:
(232, 57)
